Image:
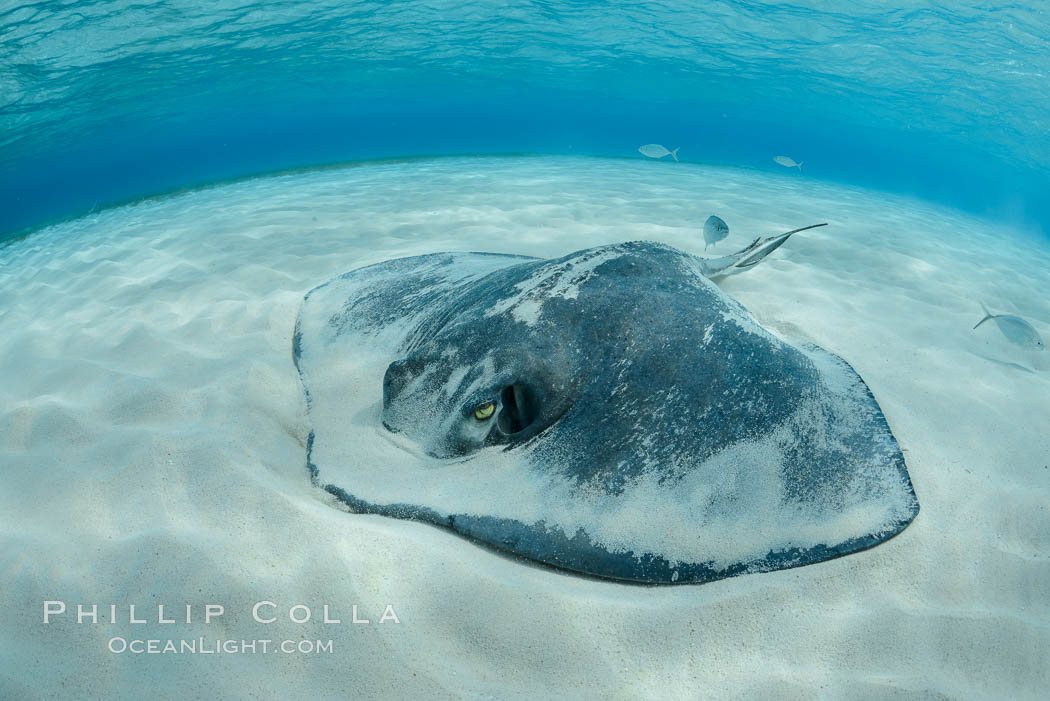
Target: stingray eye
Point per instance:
(484, 412)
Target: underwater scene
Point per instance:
(524, 350)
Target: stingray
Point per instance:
(611, 412)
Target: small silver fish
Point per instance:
(788, 162)
(657, 151)
(1018, 331)
(714, 230)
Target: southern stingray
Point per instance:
(611, 412)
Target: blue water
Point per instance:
(103, 102)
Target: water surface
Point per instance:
(104, 101)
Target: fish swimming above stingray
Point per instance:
(610, 412)
(787, 162)
(658, 151)
(715, 229)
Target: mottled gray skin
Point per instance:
(600, 373)
(638, 364)
(531, 384)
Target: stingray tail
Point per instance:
(750, 256)
(674, 154)
(987, 315)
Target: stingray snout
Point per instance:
(398, 374)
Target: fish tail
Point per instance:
(987, 315)
(674, 154)
(799, 167)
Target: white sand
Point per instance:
(152, 450)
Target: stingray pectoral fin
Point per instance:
(848, 478)
(369, 299)
(577, 553)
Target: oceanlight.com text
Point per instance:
(210, 646)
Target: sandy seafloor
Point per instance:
(152, 432)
